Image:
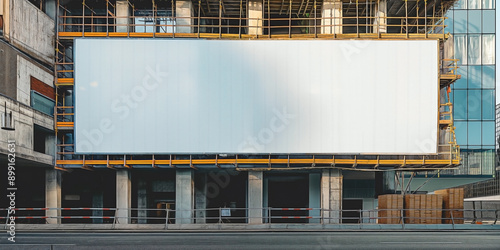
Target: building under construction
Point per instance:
(197, 110)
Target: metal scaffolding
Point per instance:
(229, 19)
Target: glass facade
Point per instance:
(472, 23)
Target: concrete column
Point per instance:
(184, 196)
(123, 195)
(200, 191)
(142, 201)
(184, 9)
(335, 195)
(255, 15)
(314, 196)
(53, 195)
(380, 14)
(123, 14)
(331, 14)
(255, 196)
(331, 195)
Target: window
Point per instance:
(462, 4)
(461, 132)
(462, 82)
(460, 49)
(488, 21)
(40, 136)
(488, 49)
(474, 4)
(474, 77)
(488, 77)
(448, 22)
(488, 133)
(460, 21)
(474, 133)
(474, 104)
(474, 49)
(488, 104)
(460, 104)
(488, 4)
(474, 24)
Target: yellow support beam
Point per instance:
(374, 162)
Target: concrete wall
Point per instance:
(8, 70)
(29, 29)
(26, 69)
(24, 118)
(15, 72)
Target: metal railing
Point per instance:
(267, 26)
(269, 215)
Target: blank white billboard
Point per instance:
(168, 96)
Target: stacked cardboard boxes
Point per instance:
(423, 209)
(389, 207)
(453, 204)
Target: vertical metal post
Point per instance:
(268, 19)
(239, 26)
(154, 19)
(315, 21)
(220, 19)
(378, 19)
(406, 17)
(83, 18)
(107, 17)
(269, 214)
(453, 219)
(290, 21)
(199, 17)
(418, 18)
(357, 18)
(220, 215)
(166, 216)
(174, 21)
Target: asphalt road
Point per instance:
(254, 240)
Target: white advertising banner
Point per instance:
(168, 96)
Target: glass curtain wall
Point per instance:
(472, 23)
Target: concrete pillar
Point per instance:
(331, 195)
(123, 14)
(142, 201)
(184, 9)
(123, 196)
(255, 15)
(200, 192)
(255, 196)
(53, 195)
(380, 14)
(315, 196)
(97, 202)
(331, 14)
(184, 196)
(335, 194)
